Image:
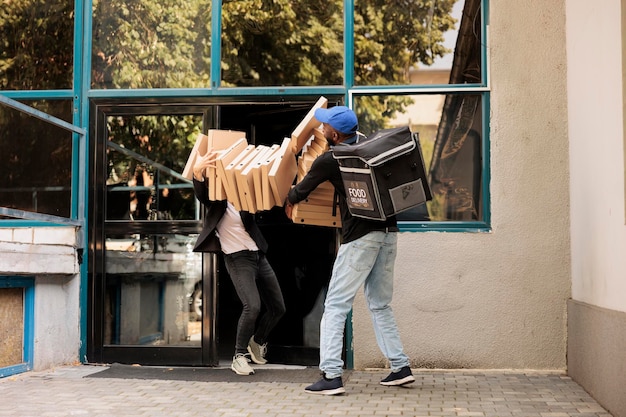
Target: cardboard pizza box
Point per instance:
(200, 147)
(245, 181)
(304, 130)
(283, 172)
(267, 195)
(305, 212)
(215, 139)
(318, 134)
(223, 160)
(219, 140)
(257, 177)
(229, 180)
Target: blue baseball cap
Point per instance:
(341, 118)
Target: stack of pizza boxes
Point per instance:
(321, 206)
(257, 178)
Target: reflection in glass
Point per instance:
(402, 43)
(150, 287)
(37, 45)
(151, 44)
(36, 163)
(456, 169)
(145, 157)
(450, 129)
(282, 43)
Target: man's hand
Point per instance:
(204, 162)
(288, 208)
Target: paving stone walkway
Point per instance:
(67, 391)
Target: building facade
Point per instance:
(515, 264)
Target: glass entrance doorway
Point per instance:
(154, 301)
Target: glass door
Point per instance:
(147, 281)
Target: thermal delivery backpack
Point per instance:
(383, 174)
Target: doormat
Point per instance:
(269, 374)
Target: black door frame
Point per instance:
(97, 351)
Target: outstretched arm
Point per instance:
(199, 173)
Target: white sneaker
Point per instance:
(240, 365)
(257, 352)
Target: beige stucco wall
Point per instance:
(498, 300)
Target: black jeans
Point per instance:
(255, 282)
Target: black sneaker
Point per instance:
(402, 377)
(326, 386)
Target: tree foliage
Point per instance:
(167, 44)
(36, 44)
(148, 44)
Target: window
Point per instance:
(402, 42)
(441, 94)
(37, 159)
(282, 43)
(151, 44)
(37, 45)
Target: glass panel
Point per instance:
(143, 176)
(282, 43)
(151, 44)
(151, 282)
(417, 42)
(37, 45)
(450, 128)
(37, 160)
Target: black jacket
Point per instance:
(207, 240)
(326, 168)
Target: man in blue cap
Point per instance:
(365, 257)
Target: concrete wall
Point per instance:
(48, 254)
(498, 300)
(597, 313)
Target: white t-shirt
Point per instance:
(232, 233)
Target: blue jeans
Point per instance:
(255, 282)
(367, 261)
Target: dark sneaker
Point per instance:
(402, 377)
(326, 387)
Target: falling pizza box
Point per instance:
(215, 183)
(229, 180)
(219, 140)
(223, 160)
(216, 140)
(267, 195)
(245, 179)
(282, 172)
(232, 170)
(318, 134)
(306, 160)
(257, 177)
(223, 139)
(320, 207)
(315, 148)
(200, 147)
(304, 130)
